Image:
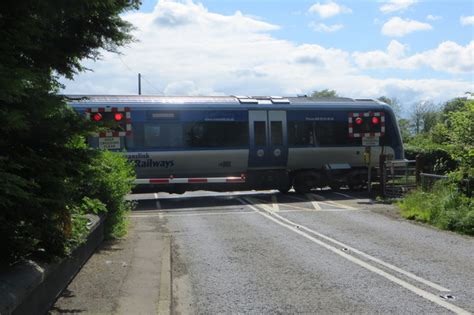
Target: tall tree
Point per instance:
(323, 93)
(394, 103)
(40, 41)
(425, 116)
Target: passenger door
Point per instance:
(268, 139)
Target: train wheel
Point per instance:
(302, 189)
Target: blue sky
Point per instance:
(408, 49)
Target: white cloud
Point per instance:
(378, 59)
(398, 27)
(321, 27)
(396, 5)
(450, 57)
(467, 20)
(184, 49)
(328, 9)
(447, 57)
(431, 17)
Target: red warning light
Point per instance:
(118, 116)
(358, 121)
(375, 120)
(97, 117)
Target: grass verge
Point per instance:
(444, 207)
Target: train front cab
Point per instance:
(324, 151)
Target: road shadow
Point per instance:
(208, 200)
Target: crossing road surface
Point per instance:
(265, 252)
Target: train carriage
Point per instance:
(236, 143)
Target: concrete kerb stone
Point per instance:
(32, 288)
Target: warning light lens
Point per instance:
(375, 120)
(97, 117)
(358, 120)
(118, 117)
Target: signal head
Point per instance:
(97, 117)
(118, 116)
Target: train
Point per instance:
(226, 143)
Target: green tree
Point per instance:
(41, 159)
(425, 115)
(404, 125)
(323, 93)
(461, 135)
(454, 105)
(394, 103)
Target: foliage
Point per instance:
(445, 207)
(42, 161)
(393, 103)
(452, 134)
(110, 179)
(435, 159)
(461, 135)
(323, 93)
(446, 142)
(425, 116)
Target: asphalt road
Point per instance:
(266, 252)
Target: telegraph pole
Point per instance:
(139, 84)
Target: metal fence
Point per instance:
(428, 180)
(398, 177)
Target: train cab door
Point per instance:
(268, 139)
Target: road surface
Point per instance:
(265, 252)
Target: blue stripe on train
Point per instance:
(188, 115)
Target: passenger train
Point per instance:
(239, 143)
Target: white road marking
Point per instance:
(162, 215)
(344, 195)
(275, 204)
(374, 259)
(338, 209)
(329, 203)
(157, 202)
(313, 202)
(322, 199)
(297, 229)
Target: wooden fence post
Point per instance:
(419, 168)
(382, 158)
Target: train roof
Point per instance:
(229, 102)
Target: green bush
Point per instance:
(445, 207)
(49, 184)
(44, 164)
(110, 179)
(436, 160)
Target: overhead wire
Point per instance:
(142, 76)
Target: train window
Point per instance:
(333, 133)
(162, 135)
(260, 133)
(277, 132)
(301, 133)
(155, 135)
(216, 134)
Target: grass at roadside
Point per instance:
(444, 207)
